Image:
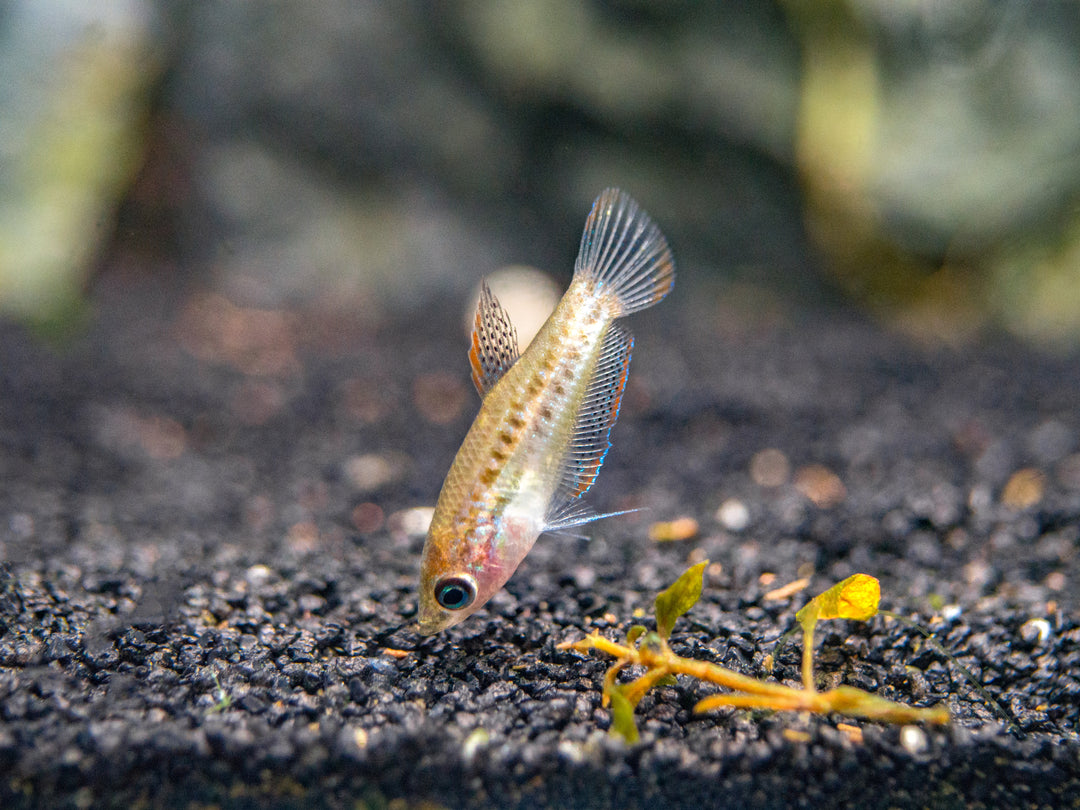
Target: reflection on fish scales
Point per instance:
(542, 432)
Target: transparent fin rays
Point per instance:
(596, 416)
(623, 252)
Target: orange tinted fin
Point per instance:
(623, 255)
(599, 409)
(494, 342)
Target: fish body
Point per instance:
(542, 432)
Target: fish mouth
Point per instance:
(434, 621)
(427, 628)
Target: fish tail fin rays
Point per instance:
(623, 255)
(596, 416)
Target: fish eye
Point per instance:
(455, 593)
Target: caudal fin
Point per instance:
(624, 255)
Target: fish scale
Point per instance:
(542, 432)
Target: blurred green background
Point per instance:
(920, 160)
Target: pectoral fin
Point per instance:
(494, 342)
(573, 514)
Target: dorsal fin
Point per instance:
(599, 409)
(494, 342)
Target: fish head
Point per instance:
(460, 573)
(447, 600)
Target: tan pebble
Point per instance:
(254, 341)
(853, 733)
(371, 471)
(440, 397)
(787, 591)
(476, 740)
(1024, 488)
(367, 517)
(682, 528)
(162, 437)
(770, 468)
(303, 536)
(365, 401)
(820, 485)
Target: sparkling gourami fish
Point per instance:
(542, 432)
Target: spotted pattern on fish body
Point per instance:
(543, 429)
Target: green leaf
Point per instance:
(634, 633)
(678, 598)
(622, 716)
(651, 641)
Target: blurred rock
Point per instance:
(400, 152)
(73, 103)
(938, 146)
(380, 158)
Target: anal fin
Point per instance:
(599, 410)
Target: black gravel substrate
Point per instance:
(204, 558)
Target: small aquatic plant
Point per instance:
(856, 597)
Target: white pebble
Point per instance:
(478, 738)
(412, 522)
(951, 613)
(370, 471)
(980, 498)
(1036, 629)
(914, 741)
(733, 515)
(258, 575)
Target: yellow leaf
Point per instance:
(678, 598)
(856, 597)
